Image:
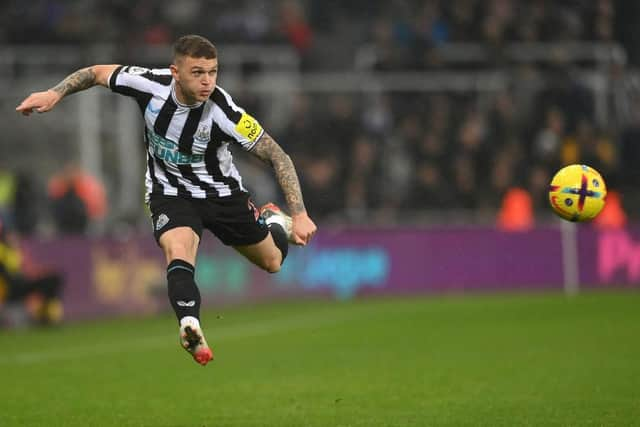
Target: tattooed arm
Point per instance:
(75, 82)
(271, 153)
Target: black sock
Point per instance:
(184, 295)
(280, 239)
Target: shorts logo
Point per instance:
(162, 221)
(249, 127)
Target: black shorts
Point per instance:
(234, 219)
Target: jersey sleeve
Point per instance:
(138, 82)
(243, 128)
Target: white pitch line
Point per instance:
(254, 329)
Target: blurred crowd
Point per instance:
(385, 156)
(399, 28)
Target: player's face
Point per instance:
(195, 78)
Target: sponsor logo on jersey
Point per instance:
(136, 71)
(152, 110)
(249, 127)
(167, 150)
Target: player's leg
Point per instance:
(270, 253)
(265, 254)
(262, 236)
(180, 247)
(177, 230)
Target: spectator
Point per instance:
(430, 190)
(27, 204)
(549, 140)
(516, 212)
(362, 183)
(77, 198)
(322, 187)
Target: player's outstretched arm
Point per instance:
(74, 82)
(271, 153)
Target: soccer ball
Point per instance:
(577, 193)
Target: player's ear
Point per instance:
(174, 71)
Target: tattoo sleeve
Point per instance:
(75, 82)
(271, 153)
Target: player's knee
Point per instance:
(272, 264)
(179, 243)
(178, 250)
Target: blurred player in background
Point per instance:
(191, 181)
(25, 282)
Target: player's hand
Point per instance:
(39, 101)
(303, 228)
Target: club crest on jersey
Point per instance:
(203, 133)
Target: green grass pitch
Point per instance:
(481, 360)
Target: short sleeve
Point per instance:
(235, 121)
(138, 81)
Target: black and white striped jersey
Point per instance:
(187, 145)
